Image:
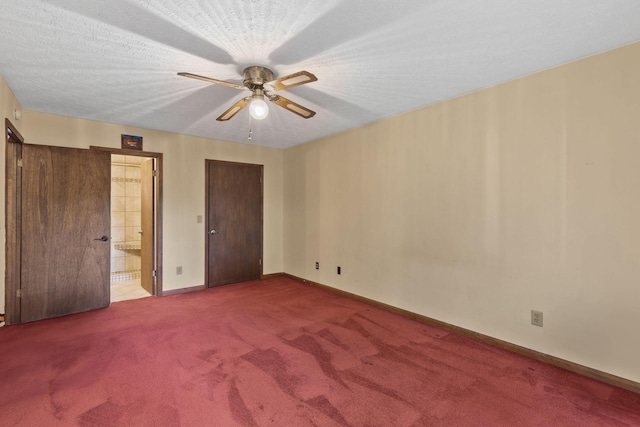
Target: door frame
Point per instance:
(13, 225)
(208, 164)
(157, 253)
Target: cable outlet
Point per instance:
(536, 318)
(317, 265)
(179, 270)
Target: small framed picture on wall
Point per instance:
(131, 142)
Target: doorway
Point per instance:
(133, 184)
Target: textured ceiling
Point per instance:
(116, 60)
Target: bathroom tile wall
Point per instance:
(125, 217)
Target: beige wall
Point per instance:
(8, 104)
(476, 210)
(183, 185)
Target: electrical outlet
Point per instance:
(317, 265)
(536, 318)
(179, 270)
(339, 270)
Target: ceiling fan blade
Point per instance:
(292, 80)
(234, 109)
(292, 106)
(210, 80)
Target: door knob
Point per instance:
(212, 231)
(103, 239)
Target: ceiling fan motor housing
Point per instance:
(257, 76)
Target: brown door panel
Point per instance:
(234, 219)
(65, 231)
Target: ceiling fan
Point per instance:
(260, 81)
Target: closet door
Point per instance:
(65, 231)
(234, 222)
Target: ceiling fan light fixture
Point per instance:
(258, 109)
(259, 80)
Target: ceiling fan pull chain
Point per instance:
(250, 131)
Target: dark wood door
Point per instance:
(234, 222)
(146, 220)
(65, 231)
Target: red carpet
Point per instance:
(280, 353)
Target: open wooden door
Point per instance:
(234, 222)
(147, 216)
(65, 231)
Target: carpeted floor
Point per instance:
(279, 353)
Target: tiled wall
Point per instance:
(125, 217)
